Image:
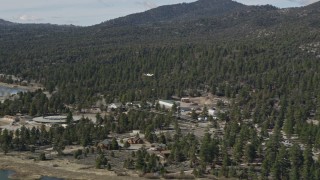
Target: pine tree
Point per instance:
(281, 165)
(140, 163)
(209, 149)
(5, 141)
(33, 110)
(42, 157)
(307, 162)
(296, 159)
(194, 115)
(114, 144)
(288, 126)
(238, 150)
(69, 118)
(250, 152)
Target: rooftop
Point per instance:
(54, 119)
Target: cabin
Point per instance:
(95, 110)
(11, 118)
(185, 100)
(158, 147)
(135, 140)
(105, 144)
(185, 109)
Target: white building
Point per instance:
(212, 112)
(115, 106)
(167, 103)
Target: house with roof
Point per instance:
(105, 144)
(135, 140)
(185, 100)
(158, 147)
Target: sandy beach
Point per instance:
(28, 169)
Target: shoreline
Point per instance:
(28, 169)
(29, 87)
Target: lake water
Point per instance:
(5, 91)
(4, 175)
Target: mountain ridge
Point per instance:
(176, 12)
(182, 11)
(4, 22)
(183, 22)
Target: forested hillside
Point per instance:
(264, 59)
(226, 45)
